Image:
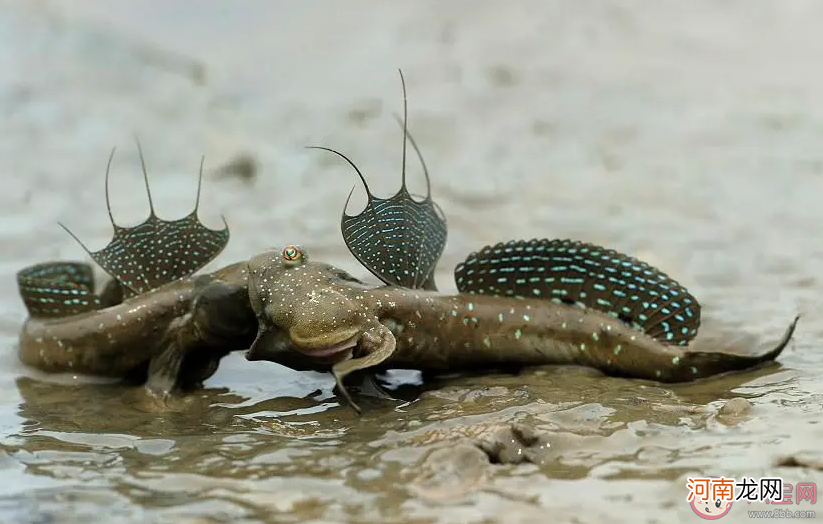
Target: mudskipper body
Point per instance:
(523, 302)
(154, 322)
(316, 316)
(531, 302)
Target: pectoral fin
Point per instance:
(378, 344)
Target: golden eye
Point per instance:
(292, 253)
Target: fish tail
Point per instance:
(700, 364)
(623, 354)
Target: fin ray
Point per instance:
(398, 239)
(156, 251)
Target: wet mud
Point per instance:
(687, 137)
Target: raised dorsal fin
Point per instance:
(398, 239)
(586, 275)
(57, 289)
(156, 251)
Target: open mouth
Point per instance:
(329, 351)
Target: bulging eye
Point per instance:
(293, 254)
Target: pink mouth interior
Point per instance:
(331, 350)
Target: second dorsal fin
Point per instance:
(156, 251)
(57, 289)
(586, 275)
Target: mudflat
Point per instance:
(687, 135)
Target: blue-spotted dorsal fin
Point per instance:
(156, 251)
(398, 239)
(57, 289)
(586, 275)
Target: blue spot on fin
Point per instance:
(398, 239)
(156, 251)
(586, 275)
(57, 289)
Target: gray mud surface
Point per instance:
(686, 133)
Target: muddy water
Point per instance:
(689, 134)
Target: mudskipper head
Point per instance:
(313, 316)
(314, 304)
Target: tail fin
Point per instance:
(699, 364)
